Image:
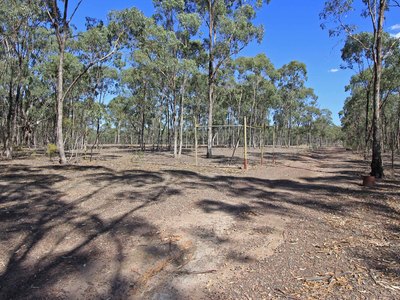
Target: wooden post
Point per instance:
(195, 140)
(245, 143)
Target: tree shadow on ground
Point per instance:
(276, 192)
(48, 238)
(339, 194)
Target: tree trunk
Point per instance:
(181, 117)
(289, 129)
(16, 139)
(168, 125)
(398, 129)
(96, 141)
(159, 136)
(210, 120)
(211, 83)
(142, 145)
(119, 132)
(60, 100)
(143, 117)
(376, 164)
(8, 141)
(367, 122)
(175, 124)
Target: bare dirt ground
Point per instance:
(130, 225)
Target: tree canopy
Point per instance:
(148, 80)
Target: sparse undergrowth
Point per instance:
(303, 228)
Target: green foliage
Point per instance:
(51, 150)
(138, 79)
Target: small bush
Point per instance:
(51, 149)
(137, 156)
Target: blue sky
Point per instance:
(292, 32)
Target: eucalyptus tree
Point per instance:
(351, 119)
(139, 83)
(292, 90)
(361, 83)
(21, 43)
(359, 58)
(60, 16)
(118, 110)
(335, 12)
(258, 74)
(196, 93)
(99, 82)
(322, 124)
(230, 28)
(188, 69)
(169, 50)
(309, 114)
(391, 103)
(157, 52)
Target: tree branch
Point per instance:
(73, 13)
(55, 24)
(92, 63)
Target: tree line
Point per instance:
(146, 80)
(371, 114)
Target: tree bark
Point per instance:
(289, 141)
(175, 122)
(142, 145)
(376, 164)
(210, 120)
(60, 100)
(367, 122)
(211, 83)
(8, 147)
(181, 108)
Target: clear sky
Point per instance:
(292, 32)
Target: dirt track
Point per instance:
(148, 227)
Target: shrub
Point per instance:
(51, 149)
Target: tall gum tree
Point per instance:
(358, 57)
(60, 19)
(230, 28)
(173, 55)
(257, 73)
(291, 83)
(335, 12)
(20, 43)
